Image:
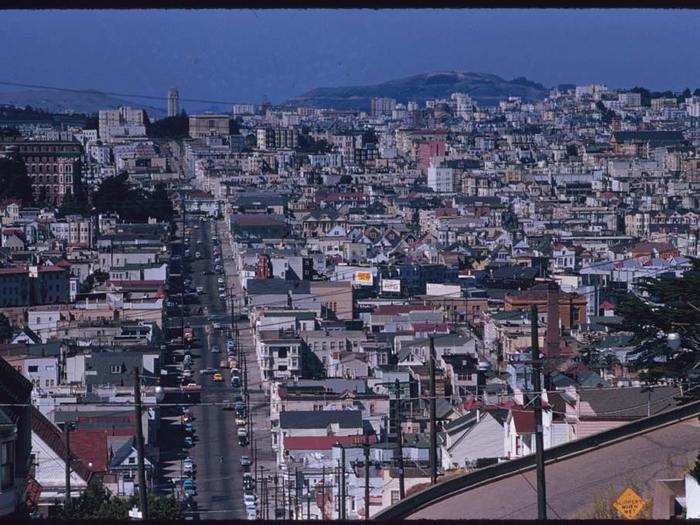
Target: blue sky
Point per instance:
(243, 55)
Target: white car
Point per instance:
(215, 350)
(249, 501)
(251, 514)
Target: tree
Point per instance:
(97, 503)
(92, 122)
(5, 329)
(671, 307)
(172, 128)
(346, 179)
(117, 195)
(14, 181)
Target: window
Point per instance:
(395, 496)
(282, 353)
(115, 369)
(132, 460)
(7, 465)
(33, 368)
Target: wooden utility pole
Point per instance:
(537, 398)
(308, 499)
(275, 495)
(433, 409)
(66, 435)
(323, 492)
(143, 497)
(366, 447)
(340, 497)
(289, 497)
(399, 440)
(343, 507)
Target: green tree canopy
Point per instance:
(5, 329)
(14, 181)
(172, 128)
(97, 503)
(671, 306)
(117, 195)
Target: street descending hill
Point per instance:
(484, 88)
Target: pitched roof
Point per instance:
(524, 421)
(323, 442)
(54, 438)
(626, 403)
(308, 419)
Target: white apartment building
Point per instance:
(441, 180)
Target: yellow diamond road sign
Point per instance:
(629, 504)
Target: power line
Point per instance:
(111, 93)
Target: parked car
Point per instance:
(215, 350)
(240, 421)
(189, 442)
(217, 377)
(245, 462)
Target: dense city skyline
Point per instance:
(245, 55)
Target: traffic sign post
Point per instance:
(629, 504)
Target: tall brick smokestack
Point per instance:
(551, 346)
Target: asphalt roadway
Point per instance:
(216, 452)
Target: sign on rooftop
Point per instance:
(629, 504)
(363, 278)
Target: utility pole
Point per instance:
(297, 490)
(323, 492)
(340, 497)
(366, 447)
(539, 438)
(275, 494)
(143, 498)
(308, 499)
(289, 497)
(66, 435)
(343, 506)
(399, 439)
(433, 405)
(182, 269)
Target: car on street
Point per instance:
(189, 442)
(240, 421)
(249, 500)
(191, 386)
(217, 377)
(189, 487)
(251, 514)
(215, 350)
(242, 441)
(245, 462)
(188, 465)
(207, 371)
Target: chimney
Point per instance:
(551, 348)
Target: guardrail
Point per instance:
(451, 487)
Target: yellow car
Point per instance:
(218, 377)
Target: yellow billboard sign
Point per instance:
(364, 278)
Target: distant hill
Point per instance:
(86, 102)
(485, 89)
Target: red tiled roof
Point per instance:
(431, 327)
(323, 442)
(90, 446)
(394, 309)
(53, 437)
(524, 421)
